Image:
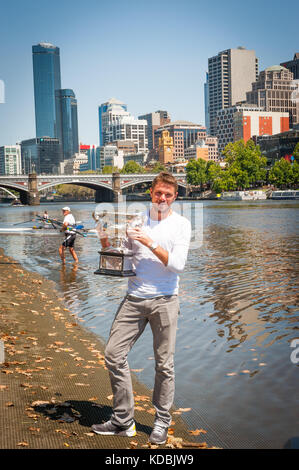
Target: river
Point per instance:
(237, 352)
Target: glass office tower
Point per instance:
(46, 76)
(69, 122)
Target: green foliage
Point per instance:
(108, 170)
(284, 174)
(74, 191)
(157, 168)
(245, 168)
(296, 152)
(196, 172)
(132, 167)
(245, 164)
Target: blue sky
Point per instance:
(150, 54)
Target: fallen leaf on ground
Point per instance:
(196, 432)
(23, 444)
(139, 408)
(34, 429)
(40, 403)
(133, 444)
(181, 410)
(202, 445)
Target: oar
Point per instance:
(76, 228)
(53, 222)
(57, 222)
(24, 222)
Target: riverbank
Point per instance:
(53, 382)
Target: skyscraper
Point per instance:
(47, 80)
(207, 108)
(69, 122)
(230, 75)
(10, 160)
(275, 90)
(109, 113)
(293, 66)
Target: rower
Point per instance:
(70, 235)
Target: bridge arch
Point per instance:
(91, 185)
(8, 192)
(147, 179)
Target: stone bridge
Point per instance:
(108, 187)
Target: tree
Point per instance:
(132, 167)
(108, 169)
(295, 174)
(196, 172)
(296, 152)
(245, 164)
(214, 175)
(157, 168)
(281, 174)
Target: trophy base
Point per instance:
(111, 272)
(117, 264)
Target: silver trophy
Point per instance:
(111, 228)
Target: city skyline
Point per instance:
(150, 58)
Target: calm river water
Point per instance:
(236, 358)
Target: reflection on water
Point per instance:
(238, 299)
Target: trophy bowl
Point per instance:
(111, 228)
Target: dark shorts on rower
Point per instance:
(69, 240)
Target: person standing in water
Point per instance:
(70, 235)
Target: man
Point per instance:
(160, 250)
(70, 235)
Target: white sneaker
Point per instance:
(110, 429)
(159, 434)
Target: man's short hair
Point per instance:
(167, 178)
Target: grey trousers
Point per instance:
(129, 323)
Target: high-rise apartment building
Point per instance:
(275, 90)
(47, 80)
(10, 160)
(69, 122)
(246, 121)
(230, 75)
(154, 121)
(128, 128)
(117, 124)
(293, 66)
(184, 134)
(109, 113)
